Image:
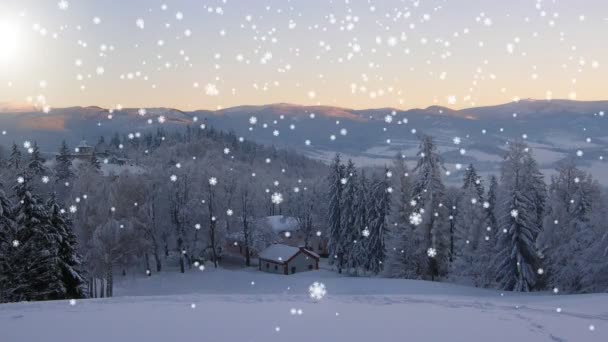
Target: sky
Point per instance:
(211, 54)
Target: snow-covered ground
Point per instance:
(247, 305)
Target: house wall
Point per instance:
(302, 263)
(271, 267)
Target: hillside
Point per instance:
(198, 305)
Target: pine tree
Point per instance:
(7, 236)
(516, 261)
(70, 261)
(472, 181)
(491, 204)
(572, 193)
(402, 258)
(427, 193)
(335, 182)
(359, 253)
(63, 170)
(36, 162)
(472, 250)
(35, 272)
(14, 161)
(349, 234)
(94, 162)
(381, 207)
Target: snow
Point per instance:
(248, 305)
(279, 252)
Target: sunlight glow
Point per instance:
(9, 41)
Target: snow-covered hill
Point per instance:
(248, 305)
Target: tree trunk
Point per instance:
(109, 280)
(148, 271)
(157, 260)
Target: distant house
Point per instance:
(283, 259)
(83, 150)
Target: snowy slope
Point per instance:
(247, 305)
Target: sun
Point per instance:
(9, 41)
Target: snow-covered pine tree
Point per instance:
(491, 207)
(348, 232)
(472, 180)
(70, 261)
(472, 254)
(36, 163)
(35, 273)
(378, 225)
(15, 159)
(572, 193)
(516, 261)
(7, 247)
(402, 259)
(63, 167)
(427, 193)
(94, 161)
(335, 187)
(359, 253)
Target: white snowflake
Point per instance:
(431, 252)
(173, 178)
(276, 198)
(63, 5)
(415, 219)
(253, 120)
(317, 291)
(211, 90)
(514, 213)
(16, 243)
(365, 232)
(140, 23)
(212, 181)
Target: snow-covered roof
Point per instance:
(280, 223)
(282, 253)
(83, 143)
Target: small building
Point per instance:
(283, 259)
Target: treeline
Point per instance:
(514, 233)
(177, 199)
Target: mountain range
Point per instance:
(554, 129)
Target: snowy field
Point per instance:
(247, 305)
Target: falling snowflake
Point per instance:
(514, 213)
(140, 23)
(415, 219)
(431, 252)
(211, 90)
(276, 198)
(229, 212)
(253, 120)
(212, 181)
(63, 5)
(73, 209)
(365, 232)
(317, 291)
(173, 178)
(15, 243)
(456, 140)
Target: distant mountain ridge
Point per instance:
(555, 129)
